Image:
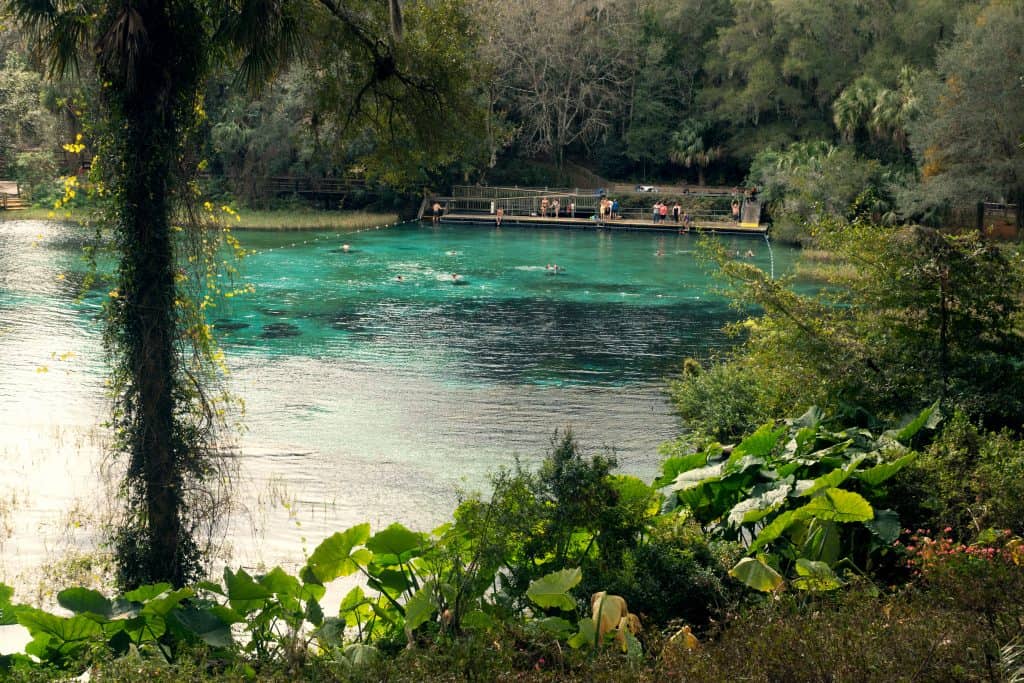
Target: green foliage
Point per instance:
(856, 634)
(570, 513)
(810, 180)
(919, 315)
(968, 479)
(553, 589)
(729, 398)
(967, 140)
(797, 497)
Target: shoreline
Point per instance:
(255, 220)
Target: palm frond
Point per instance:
(57, 31)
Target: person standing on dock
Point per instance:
(544, 207)
(735, 211)
(554, 207)
(663, 211)
(499, 213)
(572, 208)
(437, 213)
(615, 209)
(676, 211)
(656, 211)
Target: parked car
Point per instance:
(646, 188)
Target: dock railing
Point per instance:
(586, 206)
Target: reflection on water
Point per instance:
(374, 385)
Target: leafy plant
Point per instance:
(796, 496)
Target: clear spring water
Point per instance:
(368, 398)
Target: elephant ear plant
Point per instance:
(798, 497)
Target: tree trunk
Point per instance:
(147, 100)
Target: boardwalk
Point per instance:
(10, 200)
(633, 224)
(709, 211)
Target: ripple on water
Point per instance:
(371, 399)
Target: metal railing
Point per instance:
(585, 207)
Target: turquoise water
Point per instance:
(370, 398)
(622, 308)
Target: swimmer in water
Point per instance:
(455, 277)
(345, 248)
(750, 253)
(399, 278)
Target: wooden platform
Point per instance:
(725, 227)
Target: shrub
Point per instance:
(853, 635)
(677, 574)
(969, 479)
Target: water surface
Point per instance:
(375, 384)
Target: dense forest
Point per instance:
(907, 108)
(847, 499)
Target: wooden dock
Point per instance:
(709, 212)
(628, 224)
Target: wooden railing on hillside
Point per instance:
(300, 185)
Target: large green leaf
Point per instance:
(755, 573)
(360, 655)
(85, 600)
(354, 607)
(162, 606)
(421, 606)
(885, 525)
(244, 593)
(206, 624)
(587, 634)
(59, 630)
(927, 418)
(776, 528)
(395, 545)
(833, 478)
(673, 467)
(314, 613)
(479, 620)
(883, 471)
(7, 616)
(391, 581)
(837, 505)
(552, 590)
(147, 593)
(280, 582)
(763, 500)
(760, 443)
(691, 478)
(811, 419)
(556, 626)
(815, 576)
(336, 555)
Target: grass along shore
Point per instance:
(253, 219)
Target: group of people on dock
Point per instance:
(554, 208)
(661, 211)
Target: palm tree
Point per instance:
(687, 147)
(150, 61)
(895, 108)
(851, 110)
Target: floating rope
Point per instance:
(330, 234)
